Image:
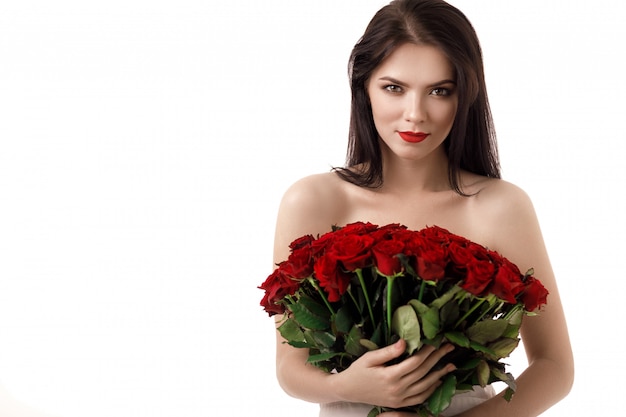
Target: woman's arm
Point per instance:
(549, 377)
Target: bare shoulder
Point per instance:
(313, 187)
(502, 198)
(311, 205)
(505, 213)
(319, 196)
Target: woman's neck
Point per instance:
(429, 174)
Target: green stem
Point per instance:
(492, 301)
(359, 273)
(470, 311)
(421, 293)
(356, 304)
(319, 290)
(389, 309)
(514, 310)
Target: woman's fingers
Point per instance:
(421, 363)
(424, 387)
(406, 383)
(432, 357)
(380, 357)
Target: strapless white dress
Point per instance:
(460, 403)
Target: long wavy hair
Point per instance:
(471, 143)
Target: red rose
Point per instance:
(479, 276)
(437, 235)
(431, 263)
(460, 255)
(299, 265)
(429, 271)
(353, 251)
(459, 239)
(478, 251)
(507, 282)
(330, 277)
(428, 256)
(322, 243)
(534, 294)
(356, 228)
(277, 286)
(385, 256)
(391, 231)
(414, 242)
(464, 253)
(301, 242)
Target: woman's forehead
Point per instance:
(415, 64)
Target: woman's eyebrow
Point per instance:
(442, 82)
(392, 80)
(396, 81)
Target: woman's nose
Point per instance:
(414, 110)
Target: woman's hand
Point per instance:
(369, 380)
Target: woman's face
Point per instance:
(414, 100)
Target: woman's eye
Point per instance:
(440, 91)
(393, 88)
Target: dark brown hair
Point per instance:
(471, 143)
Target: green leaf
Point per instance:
(419, 307)
(320, 339)
(300, 345)
(502, 348)
(374, 412)
(353, 341)
(511, 332)
(439, 302)
(483, 372)
(508, 379)
(469, 364)
(321, 357)
(515, 316)
(314, 305)
(429, 317)
(379, 334)
(343, 320)
(458, 339)
(440, 399)
(449, 314)
(368, 344)
(480, 348)
(311, 314)
(487, 330)
(430, 322)
(504, 377)
(435, 341)
(508, 394)
(406, 325)
(291, 331)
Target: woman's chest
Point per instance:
(458, 214)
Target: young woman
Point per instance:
(422, 152)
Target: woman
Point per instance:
(422, 152)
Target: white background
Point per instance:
(144, 148)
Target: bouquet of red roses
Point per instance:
(361, 287)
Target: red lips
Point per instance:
(413, 137)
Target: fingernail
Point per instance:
(450, 368)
